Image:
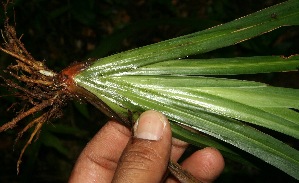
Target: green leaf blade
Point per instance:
(154, 77)
(242, 136)
(201, 42)
(220, 66)
(230, 98)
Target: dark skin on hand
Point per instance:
(115, 155)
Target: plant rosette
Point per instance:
(192, 93)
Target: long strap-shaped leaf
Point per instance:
(219, 66)
(217, 37)
(190, 110)
(210, 105)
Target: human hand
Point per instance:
(113, 155)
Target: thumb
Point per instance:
(146, 156)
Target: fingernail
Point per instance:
(150, 125)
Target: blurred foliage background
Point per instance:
(61, 32)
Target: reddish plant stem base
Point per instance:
(67, 78)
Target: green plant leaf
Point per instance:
(220, 66)
(111, 43)
(200, 42)
(156, 77)
(190, 110)
(201, 140)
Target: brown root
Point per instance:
(40, 121)
(32, 82)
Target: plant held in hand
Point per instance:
(190, 92)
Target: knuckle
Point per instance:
(104, 162)
(141, 157)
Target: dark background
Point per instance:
(60, 32)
